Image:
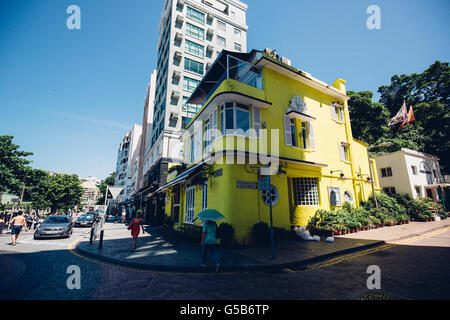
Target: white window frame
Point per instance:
(311, 197)
(221, 25)
(188, 45)
(237, 32)
(234, 130)
(257, 121)
(337, 191)
(309, 129)
(237, 47)
(190, 205)
(197, 35)
(344, 151)
(193, 17)
(205, 195)
(337, 113)
(221, 41)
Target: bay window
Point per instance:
(234, 118)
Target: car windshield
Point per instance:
(85, 217)
(56, 219)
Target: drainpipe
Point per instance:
(340, 85)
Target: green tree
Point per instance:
(109, 181)
(13, 165)
(428, 92)
(58, 192)
(369, 120)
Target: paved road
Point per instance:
(413, 269)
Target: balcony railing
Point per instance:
(240, 71)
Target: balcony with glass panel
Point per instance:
(231, 66)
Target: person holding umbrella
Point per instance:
(209, 240)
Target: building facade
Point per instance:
(192, 35)
(91, 191)
(257, 110)
(128, 162)
(408, 171)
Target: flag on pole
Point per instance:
(410, 117)
(401, 115)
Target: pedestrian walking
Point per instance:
(36, 221)
(115, 216)
(16, 226)
(29, 221)
(2, 223)
(124, 215)
(135, 227)
(209, 243)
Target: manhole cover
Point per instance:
(377, 296)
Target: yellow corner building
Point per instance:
(259, 111)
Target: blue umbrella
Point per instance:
(210, 214)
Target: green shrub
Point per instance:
(261, 233)
(347, 207)
(225, 232)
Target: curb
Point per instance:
(272, 267)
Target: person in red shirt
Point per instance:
(135, 227)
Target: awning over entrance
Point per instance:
(184, 176)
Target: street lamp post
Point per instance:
(385, 144)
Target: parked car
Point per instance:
(85, 220)
(54, 227)
(96, 215)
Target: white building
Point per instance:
(147, 129)
(128, 161)
(412, 172)
(91, 190)
(192, 34)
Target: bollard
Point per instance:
(92, 235)
(100, 244)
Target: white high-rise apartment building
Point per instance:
(127, 162)
(192, 34)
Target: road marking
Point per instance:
(337, 260)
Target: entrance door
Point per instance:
(190, 204)
(176, 205)
(429, 193)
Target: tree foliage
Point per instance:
(13, 165)
(58, 192)
(428, 93)
(109, 181)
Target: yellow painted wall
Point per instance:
(244, 207)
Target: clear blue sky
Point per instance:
(69, 96)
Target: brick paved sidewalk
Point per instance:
(160, 249)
